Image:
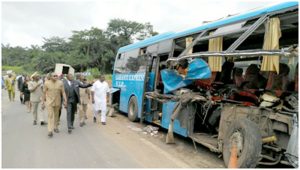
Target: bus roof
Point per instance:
(211, 25)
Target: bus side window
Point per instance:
(132, 64)
(136, 63)
(119, 63)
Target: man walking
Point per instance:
(60, 77)
(20, 81)
(2, 82)
(84, 99)
(53, 90)
(35, 88)
(100, 93)
(73, 97)
(10, 86)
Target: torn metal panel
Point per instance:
(292, 148)
(198, 69)
(282, 123)
(173, 81)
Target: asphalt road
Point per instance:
(115, 145)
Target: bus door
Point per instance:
(150, 86)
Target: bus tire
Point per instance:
(249, 143)
(133, 109)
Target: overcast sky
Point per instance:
(26, 22)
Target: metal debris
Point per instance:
(152, 130)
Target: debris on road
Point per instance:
(153, 131)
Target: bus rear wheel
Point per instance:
(133, 109)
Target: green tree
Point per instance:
(54, 44)
(90, 48)
(128, 31)
(91, 44)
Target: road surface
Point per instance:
(119, 144)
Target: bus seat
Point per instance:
(253, 79)
(279, 81)
(225, 75)
(205, 84)
(238, 76)
(221, 77)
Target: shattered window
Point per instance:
(136, 64)
(130, 62)
(119, 63)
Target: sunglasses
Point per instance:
(55, 76)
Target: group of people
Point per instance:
(56, 92)
(30, 89)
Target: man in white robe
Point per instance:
(100, 93)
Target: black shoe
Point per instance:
(69, 131)
(34, 122)
(103, 123)
(95, 120)
(43, 123)
(56, 130)
(50, 134)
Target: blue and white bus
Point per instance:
(216, 110)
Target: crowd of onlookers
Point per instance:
(54, 92)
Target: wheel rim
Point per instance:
(132, 109)
(237, 139)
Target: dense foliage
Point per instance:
(93, 48)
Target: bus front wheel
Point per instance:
(133, 109)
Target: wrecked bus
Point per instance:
(231, 83)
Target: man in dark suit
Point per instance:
(20, 87)
(73, 97)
